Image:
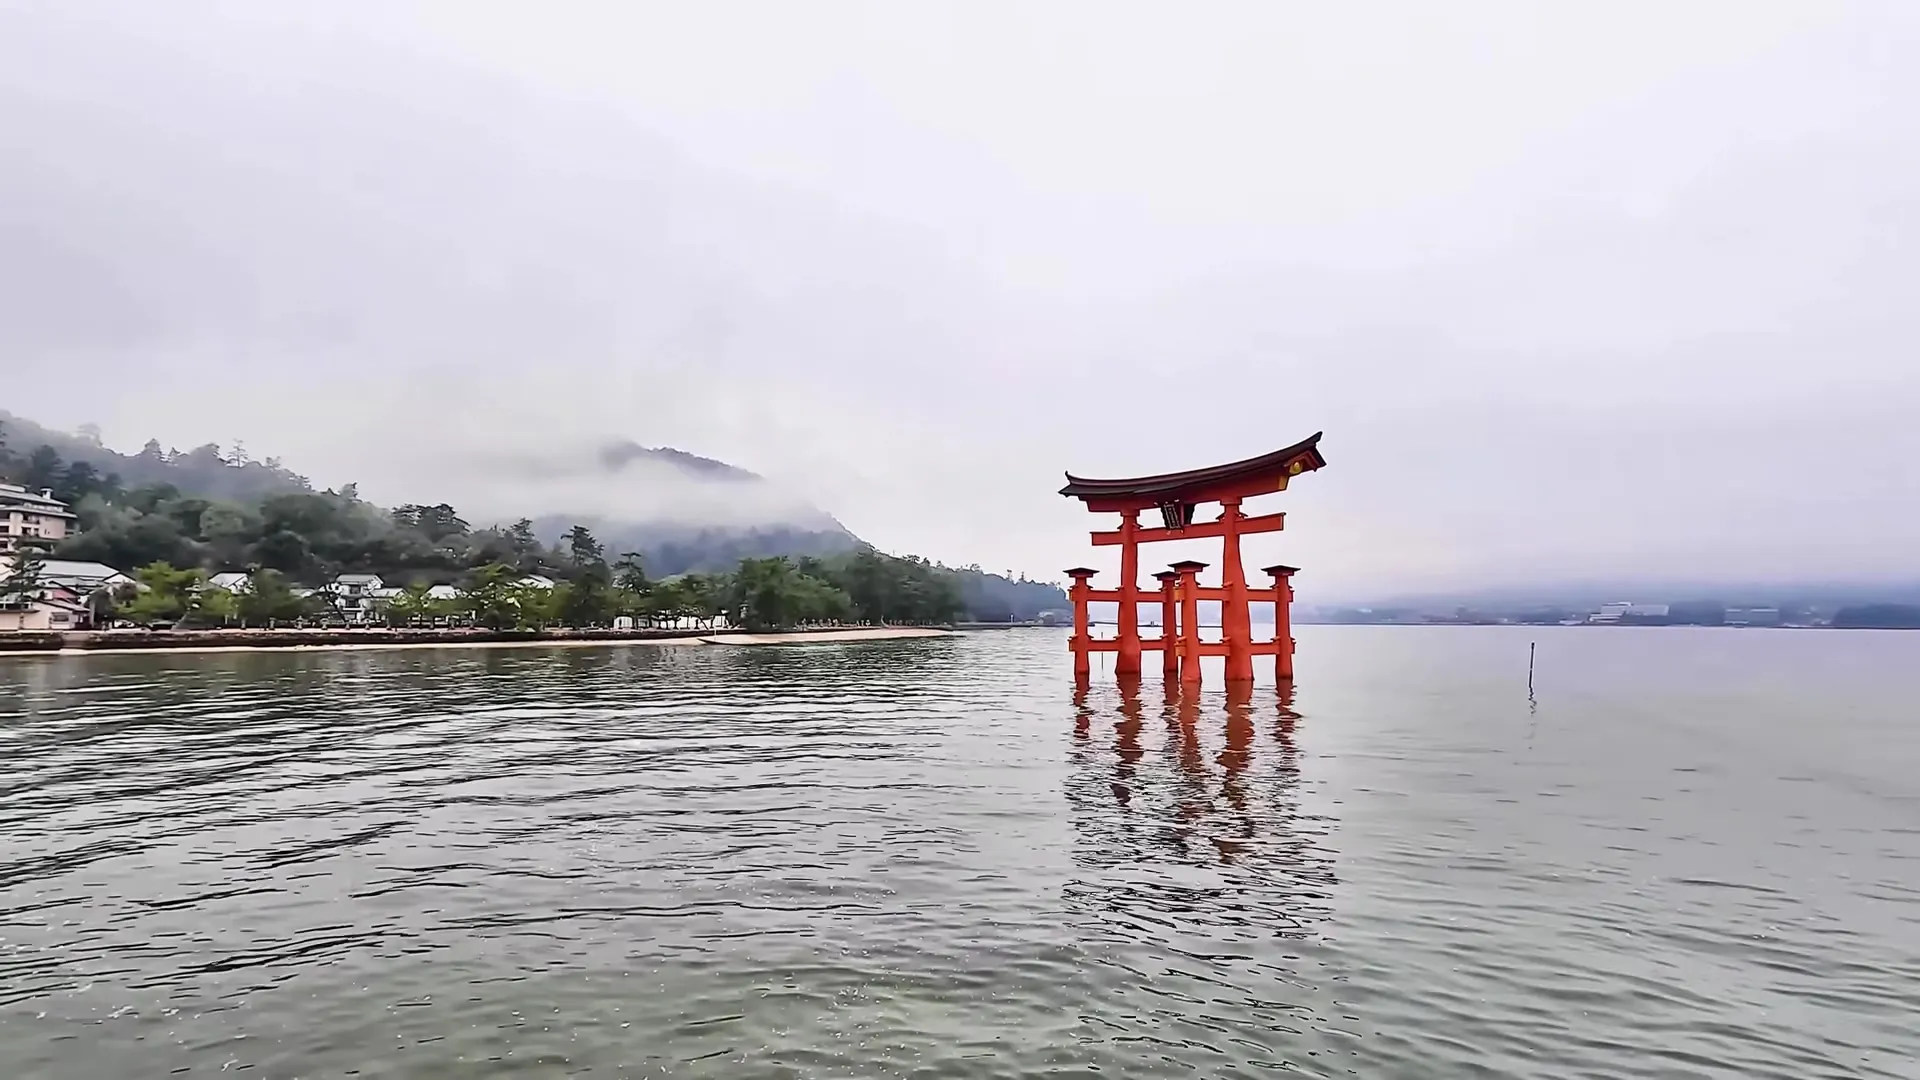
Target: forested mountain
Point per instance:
(45, 458)
(216, 510)
(674, 548)
(1007, 597)
(701, 515)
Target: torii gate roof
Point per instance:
(1239, 479)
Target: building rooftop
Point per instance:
(55, 569)
(39, 502)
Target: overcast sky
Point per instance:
(1575, 290)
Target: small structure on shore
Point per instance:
(1177, 496)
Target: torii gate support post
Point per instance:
(1282, 620)
(1236, 625)
(1126, 660)
(1189, 572)
(1081, 644)
(1169, 625)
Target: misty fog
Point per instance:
(1576, 291)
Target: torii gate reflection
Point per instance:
(1241, 799)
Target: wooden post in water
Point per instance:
(1189, 572)
(1080, 644)
(1169, 625)
(1282, 620)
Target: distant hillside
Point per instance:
(998, 598)
(670, 548)
(1586, 596)
(277, 518)
(709, 515)
(204, 471)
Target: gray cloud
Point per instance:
(1574, 292)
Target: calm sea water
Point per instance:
(1688, 854)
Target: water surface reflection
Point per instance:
(1192, 843)
(934, 859)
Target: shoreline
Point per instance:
(821, 637)
(127, 643)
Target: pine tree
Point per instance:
(23, 583)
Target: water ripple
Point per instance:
(932, 859)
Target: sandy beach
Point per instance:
(383, 646)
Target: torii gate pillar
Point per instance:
(1189, 572)
(1126, 660)
(1282, 620)
(1082, 641)
(1169, 624)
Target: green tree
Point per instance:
(539, 606)
(436, 523)
(105, 602)
(630, 574)
(24, 581)
(705, 596)
(866, 579)
(667, 602)
(210, 605)
(228, 530)
(268, 599)
(525, 546)
(413, 605)
(588, 600)
(283, 550)
(767, 594)
(582, 549)
(490, 598)
(813, 600)
(77, 481)
(166, 596)
(631, 589)
(42, 470)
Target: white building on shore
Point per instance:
(233, 581)
(55, 608)
(32, 516)
(81, 577)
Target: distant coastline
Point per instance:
(1584, 625)
(1863, 617)
(126, 642)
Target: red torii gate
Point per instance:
(1177, 495)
